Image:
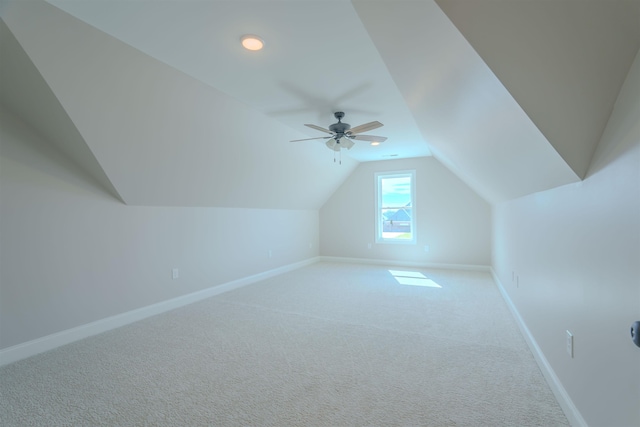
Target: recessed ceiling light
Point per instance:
(252, 42)
(375, 143)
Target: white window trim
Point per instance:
(378, 201)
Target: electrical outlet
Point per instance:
(570, 344)
(369, 246)
(270, 253)
(426, 248)
(175, 273)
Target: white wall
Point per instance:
(576, 253)
(73, 254)
(451, 219)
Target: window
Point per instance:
(395, 207)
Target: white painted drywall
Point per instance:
(472, 123)
(161, 137)
(451, 219)
(73, 254)
(575, 254)
(562, 61)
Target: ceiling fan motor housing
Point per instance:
(339, 128)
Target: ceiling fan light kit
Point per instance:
(342, 134)
(332, 144)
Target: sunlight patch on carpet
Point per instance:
(413, 278)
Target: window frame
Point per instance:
(379, 176)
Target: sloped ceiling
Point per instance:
(563, 61)
(164, 138)
(175, 113)
(472, 123)
(22, 87)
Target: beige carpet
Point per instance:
(328, 344)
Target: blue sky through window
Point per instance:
(396, 191)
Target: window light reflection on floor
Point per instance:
(413, 278)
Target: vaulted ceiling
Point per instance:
(160, 104)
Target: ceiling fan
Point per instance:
(342, 134)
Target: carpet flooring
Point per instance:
(329, 344)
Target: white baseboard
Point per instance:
(406, 263)
(49, 342)
(570, 410)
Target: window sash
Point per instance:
(409, 208)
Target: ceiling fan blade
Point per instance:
(319, 128)
(309, 139)
(371, 138)
(364, 128)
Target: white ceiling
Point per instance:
(511, 96)
(563, 61)
(318, 59)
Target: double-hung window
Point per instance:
(395, 207)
